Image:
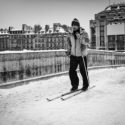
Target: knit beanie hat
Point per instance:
(75, 22)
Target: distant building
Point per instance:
(26, 38)
(107, 30)
(21, 41)
(50, 30)
(27, 29)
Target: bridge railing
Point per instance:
(16, 66)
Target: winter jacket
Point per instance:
(78, 47)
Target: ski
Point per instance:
(75, 93)
(61, 95)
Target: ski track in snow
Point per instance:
(103, 105)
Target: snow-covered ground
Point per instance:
(102, 105)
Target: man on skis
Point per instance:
(77, 50)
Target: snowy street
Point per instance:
(102, 105)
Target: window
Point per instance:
(102, 22)
(121, 37)
(111, 38)
(102, 38)
(101, 33)
(101, 28)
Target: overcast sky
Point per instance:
(30, 12)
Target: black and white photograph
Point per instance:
(62, 62)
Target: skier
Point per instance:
(77, 51)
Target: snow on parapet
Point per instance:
(89, 50)
(28, 51)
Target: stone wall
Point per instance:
(23, 65)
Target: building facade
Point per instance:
(50, 41)
(21, 39)
(25, 38)
(107, 30)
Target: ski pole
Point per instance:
(86, 70)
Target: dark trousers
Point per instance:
(82, 62)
